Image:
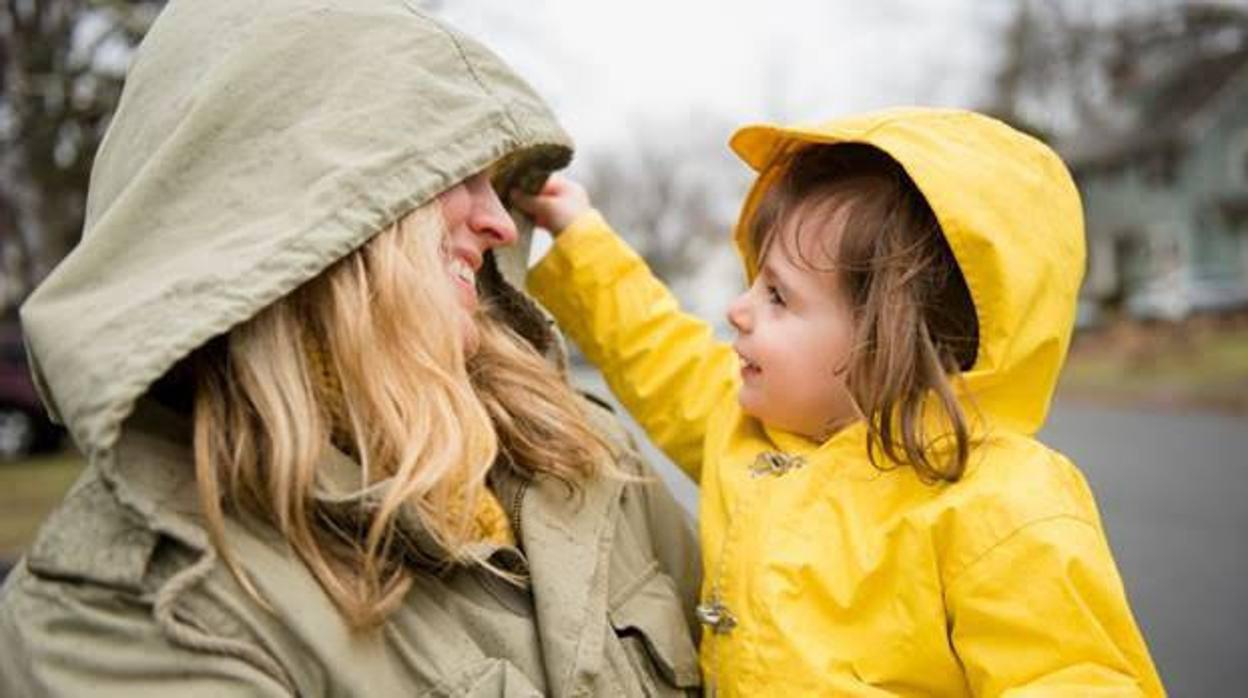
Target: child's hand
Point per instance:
(560, 202)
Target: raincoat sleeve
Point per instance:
(62, 639)
(664, 365)
(1044, 613)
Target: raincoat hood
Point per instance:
(1012, 216)
(255, 144)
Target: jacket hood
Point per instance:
(255, 144)
(1012, 216)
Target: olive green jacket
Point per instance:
(122, 595)
(255, 144)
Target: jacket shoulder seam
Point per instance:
(961, 574)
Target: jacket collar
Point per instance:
(151, 472)
(567, 536)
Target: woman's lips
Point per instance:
(465, 278)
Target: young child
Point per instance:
(877, 517)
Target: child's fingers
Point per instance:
(539, 208)
(554, 188)
(559, 202)
(555, 185)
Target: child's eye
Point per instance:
(774, 297)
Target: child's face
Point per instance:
(794, 333)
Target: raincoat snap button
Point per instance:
(775, 464)
(716, 616)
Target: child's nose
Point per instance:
(739, 314)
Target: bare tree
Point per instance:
(672, 191)
(62, 63)
(1066, 65)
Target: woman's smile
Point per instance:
(464, 276)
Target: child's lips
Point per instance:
(749, 369)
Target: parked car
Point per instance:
(24, 424)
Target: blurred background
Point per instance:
(1147, 100)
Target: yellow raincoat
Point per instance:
(825, 575)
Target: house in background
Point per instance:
(1166, 195)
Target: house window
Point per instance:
(1159, 168)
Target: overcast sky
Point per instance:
(617, 71)
(609, 66)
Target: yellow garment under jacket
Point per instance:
(837, 578)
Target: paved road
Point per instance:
(1173, 493)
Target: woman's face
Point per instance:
(476, 222)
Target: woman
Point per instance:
(329, 451)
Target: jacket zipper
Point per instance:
(517, 501)
(713, 613)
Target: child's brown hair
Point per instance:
(915, 327)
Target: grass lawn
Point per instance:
(28, 491)
(1190, 365)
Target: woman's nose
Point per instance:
(739, 313)
(489, 218)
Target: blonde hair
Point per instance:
(915, 327)
(369, 357)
